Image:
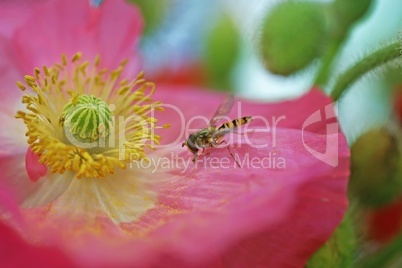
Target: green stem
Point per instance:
(342, 14)
(326, 66)
(384, 257)
(368, 63)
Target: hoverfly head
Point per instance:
(190, 143)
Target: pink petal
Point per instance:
(34, 169)
(10, 95)
(227, 216)
(24, 191)
(247, 208)
(111, 31)
(15, 252)
(9, 210)
(13, 14)
(48, 189)
(12, 138)
(231, 215)
(12, 246)
(14, 177)
(13, 156)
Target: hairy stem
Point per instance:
(365, 65)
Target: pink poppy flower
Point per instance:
(276, 210)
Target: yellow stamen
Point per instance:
(105, 145)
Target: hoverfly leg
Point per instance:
(195, 157)
(230, 152)
(208, 152)
(202, 153)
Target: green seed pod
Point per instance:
(87, 118)
(375, 177)
(292, 36)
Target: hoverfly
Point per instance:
(212, 136)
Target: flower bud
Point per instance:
(292, 36)
(347, 12)
(375, 175)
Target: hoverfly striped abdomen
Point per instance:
(234, 123)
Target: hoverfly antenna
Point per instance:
(184, 143)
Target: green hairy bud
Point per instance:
(375, 178)
(292, 36)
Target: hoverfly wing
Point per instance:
(223, 110)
